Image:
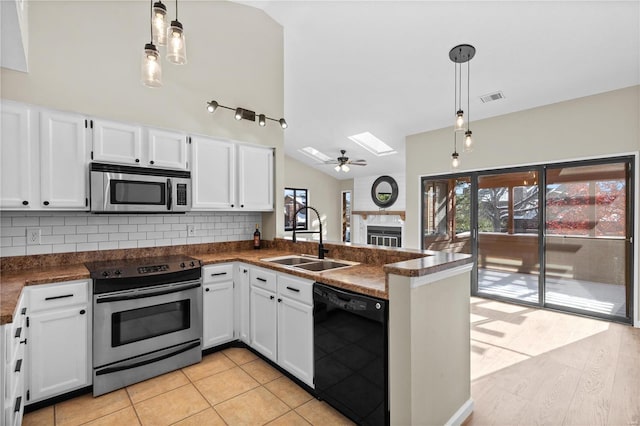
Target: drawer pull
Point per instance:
(64, 296)
(217, 274)
(82, 312)
(16, 407)
(18, 333)
(271, 297)
(261, 279)
(207, 289)
(297, 290)
(23, 341)
(18, 366)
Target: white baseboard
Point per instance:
(461, 415)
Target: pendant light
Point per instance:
(459, 55)
(176, 42)
(151, 70)
(159, 23)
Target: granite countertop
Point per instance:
(365, 278)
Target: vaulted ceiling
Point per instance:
(383, 66)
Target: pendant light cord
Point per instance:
(151, 21)
(468, 90)
(176, 10)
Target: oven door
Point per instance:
(136, 322)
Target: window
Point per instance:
(294, 199)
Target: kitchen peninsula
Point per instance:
(428, 309)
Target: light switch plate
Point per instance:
(191, 230)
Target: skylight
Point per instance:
(372, 144)
(310, 151)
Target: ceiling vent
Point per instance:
(492, 97)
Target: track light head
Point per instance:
(262, 120)
(283, 123)
(238, 113)
(212, 106)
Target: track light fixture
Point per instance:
(246, 114)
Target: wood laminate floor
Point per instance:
(538, 367)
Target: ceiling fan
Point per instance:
(343, 162)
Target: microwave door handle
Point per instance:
(169, 195)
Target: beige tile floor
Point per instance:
(233, 387)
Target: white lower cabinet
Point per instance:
(13, 364)
(59, 339)
(282, 321)
(218, 305)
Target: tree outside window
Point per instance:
(294, 199)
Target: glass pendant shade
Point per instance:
(159, 24)
(468, 141)
(176, 44)
(455, 161)
(459, 126)
(151, 71)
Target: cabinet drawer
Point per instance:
(49, 296)
(217, 273)
(295, 288)
(263, 279)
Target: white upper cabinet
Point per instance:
(115, 142)
(44, 155)
(16, 145)
(214, 168)
(231, 176)
(167, 149)
(63, 160)
(255, 178)
(124, 143)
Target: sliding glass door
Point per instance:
(557, 235)
(587, 238)
(508, 235)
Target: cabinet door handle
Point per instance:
(16, 407)
(241, 205)
(18, 366)
(272, 297)
(261, 279)
(18, 332)
(152, 162)
(279, 300)
(245, 271)
(64, 296)
(25, 203)
(217, 274)
(46, 203)
(231, 205)
(137, 160)
(207, 289)
(23, 342)
(82, 312)
(293, 289)
(23, 311)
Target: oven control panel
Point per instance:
(152, 269)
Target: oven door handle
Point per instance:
(141, 295)
(166, 355)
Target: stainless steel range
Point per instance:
(147, 319)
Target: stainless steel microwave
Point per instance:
(123, 189)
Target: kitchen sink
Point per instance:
(322, 265)
(309, 263)
(291, 260)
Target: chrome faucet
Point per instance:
(321, 249)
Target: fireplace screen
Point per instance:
(388, 236)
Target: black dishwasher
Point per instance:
(350, 353)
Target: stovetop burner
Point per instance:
(140, 267)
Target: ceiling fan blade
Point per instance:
(358, 164)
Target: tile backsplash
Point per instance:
(62, 232)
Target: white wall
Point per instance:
(63, 232)
(84, 56)
(324, 194)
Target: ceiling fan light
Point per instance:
(345, 168)
(337, 168)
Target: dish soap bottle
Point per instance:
(256, 238)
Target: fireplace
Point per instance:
(388, 236)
